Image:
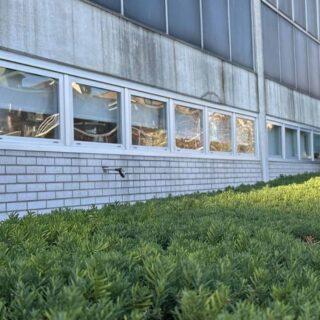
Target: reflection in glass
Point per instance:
(28, 105)
(291, 143)
(274, 140)
(316, 146)
(96, 114)
(189, 128)
(245, 136)
(149, 122)
(219, 132)
(305, 147)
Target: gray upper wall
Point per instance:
(79, 34)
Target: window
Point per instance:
(241, 33)
(215, 27)
(316, 146)
(291, 143)
(149, 12)
(312, 17)
(274, 140)
(245, 135)
(29, 105)
(149, 122)
(287, 53)
(300, 12)
(219, 132)
(184, 20)
(314, 67)
(96, 114)
(270, 42)
(305, 145)
(189, 128)
(286, 7)
(302, 61)
(114, 5)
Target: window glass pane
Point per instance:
(215, 27)
(300, 12)
(274, 140)
(314, 68)
(301, 61)
(316, 146)
(96, 114)
(305, 146)
(149, 122)
(312, 17)
(274, 2)
(189, 128)
(286, 7)
(245, 136)
(287, 53)
(270, 43)
(291, 144)
(241, 33)
(184, 20)
(219, 132)
(149, 12)
(114, 5)
(28, 105)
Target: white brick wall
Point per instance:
(277, 168)
(41, 181)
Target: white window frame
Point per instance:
(282, 155)
(231, 115)
(204, 128)
(310, 141)
(297, 157)
(314, 133)
(256, 135)
(61, 107)
(70, 127)
(129, 127)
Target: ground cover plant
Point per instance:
(245, 253)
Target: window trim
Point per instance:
(232, 131)
(98, 85)
(61, 106)
(153, 97)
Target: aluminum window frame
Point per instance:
(61, 105)
(97, 85)
(143, 94)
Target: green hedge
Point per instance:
(245, 253)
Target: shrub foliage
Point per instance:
(245, 253)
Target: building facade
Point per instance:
(108, 101)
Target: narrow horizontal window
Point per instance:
(316, 146)
(305, 145)
(149, 122)
(291, 144)
(29, 105)
(245, 135)
(114, 5)
(96, 114)
(219, 132)
(189, 128)
(274, 140)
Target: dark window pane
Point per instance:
(274, 2)
(274, 140)
(300, 12)
(312, 17)
(313, 53)
(241, 33)
(149, 12)
(287, 52)
(270, 42)
(286, 7)
(215, 27)
(184, 20)
(301, 61)
(114, 5)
